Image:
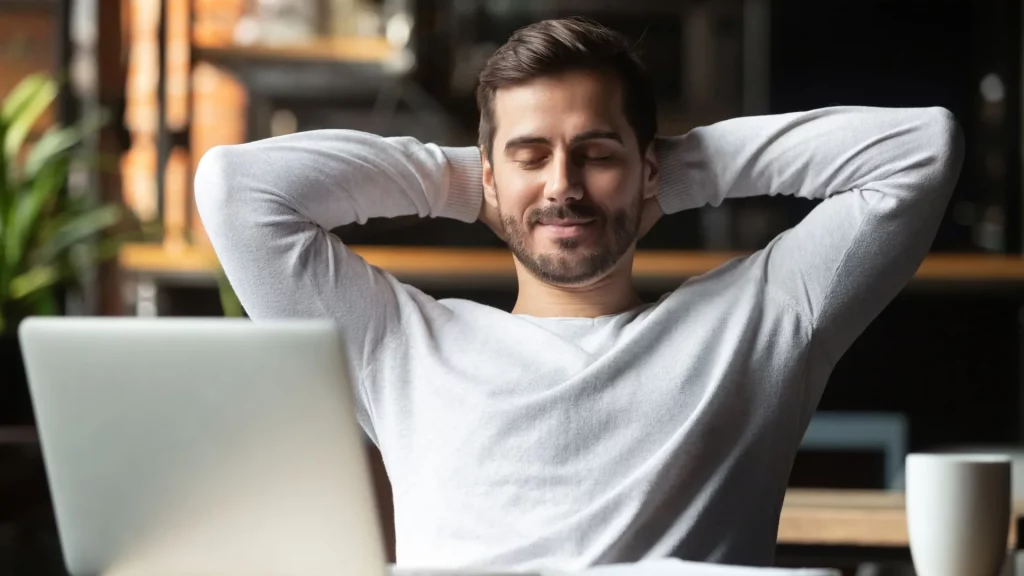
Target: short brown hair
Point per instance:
(552, 47)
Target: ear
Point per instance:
(650, 172)
(490, 194)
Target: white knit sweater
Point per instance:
(516, 441)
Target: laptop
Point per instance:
(202, 446)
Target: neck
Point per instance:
(612, 294)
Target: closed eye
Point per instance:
(530, 163)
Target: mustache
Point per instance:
(565, 212)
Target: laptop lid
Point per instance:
(202, 446)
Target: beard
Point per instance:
(571, 265)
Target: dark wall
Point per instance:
(918, 53)
(949, 359)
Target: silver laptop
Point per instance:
(185, 446)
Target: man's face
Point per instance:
(566, 176)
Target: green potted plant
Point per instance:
(47, 237)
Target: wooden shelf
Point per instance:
(451, 265)
(157, 259)
(355, 49)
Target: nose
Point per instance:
(563, 181)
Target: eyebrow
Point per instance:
(596, 135)
(528, 140)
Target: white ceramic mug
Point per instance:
(958, 513)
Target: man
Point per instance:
(586, 427)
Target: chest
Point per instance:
(569, 400)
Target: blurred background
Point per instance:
(142, 88)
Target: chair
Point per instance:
(886, 432)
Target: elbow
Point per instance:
(946, 138)
(212, 174)
(216, 170)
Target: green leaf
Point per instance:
(35, 279)
(78, 228)
(44, 302)
(22, 108)
(84, 256)
(106, 249)
(48, 239)
(57, 143)
(5, 186)
(26, 213)
(19, 96)
(6, 195)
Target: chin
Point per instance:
(570, 262)
(573, 268)
(568, 247)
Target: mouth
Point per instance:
(566, 227)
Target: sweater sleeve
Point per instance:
(885, 176)
(268, 207)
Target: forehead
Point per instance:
(557, 107)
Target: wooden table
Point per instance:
(843, 518)
(854, 518)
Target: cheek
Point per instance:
(610, 188)
(517, 191)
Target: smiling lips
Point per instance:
(565, 227)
